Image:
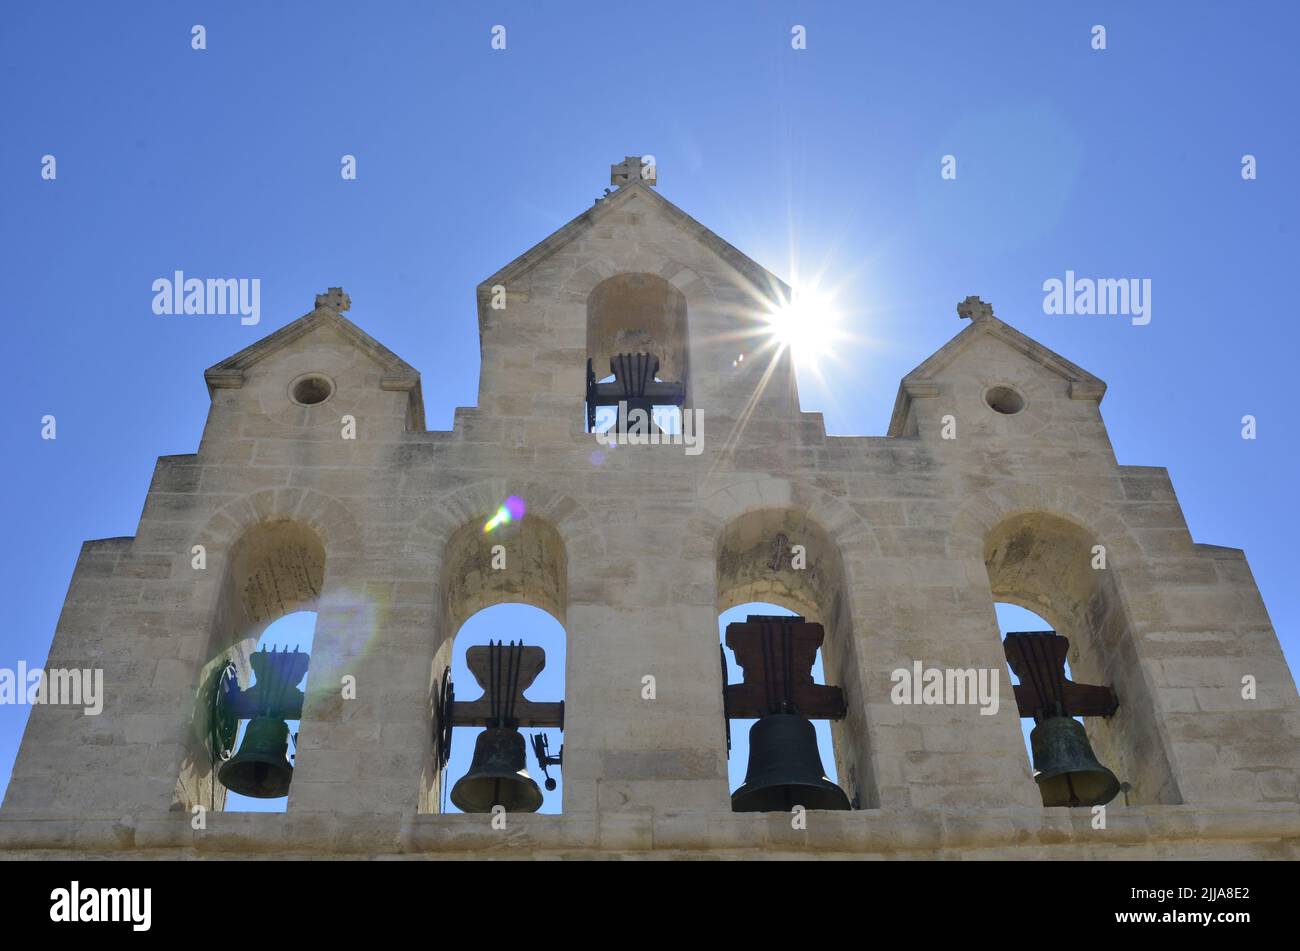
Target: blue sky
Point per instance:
(225, 162)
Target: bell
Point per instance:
(261, 768)
(497, 776)
(1065, 768)
(785, 769)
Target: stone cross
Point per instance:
(631, 170)
(334, 299)
(975, 309)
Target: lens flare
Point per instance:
(511, 510)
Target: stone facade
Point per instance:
(910, 539)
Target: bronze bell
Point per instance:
(497, 775)
(261, 768)
(1065, 768)
(785, 769)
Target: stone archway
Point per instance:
(1041, 554)
(783, 556)
(275, 567)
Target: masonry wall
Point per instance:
(907, 520)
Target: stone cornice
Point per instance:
(1201, 830)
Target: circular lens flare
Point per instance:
(512, 510)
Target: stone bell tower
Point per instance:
(316, 485)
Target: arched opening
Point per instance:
(536, 628)
(1014, 619)
(637, 356)
(738, 758)
(505, 581)
(1050, 566)
(780, 558)
(275, 569)
(291, 632)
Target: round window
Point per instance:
(311, 389)
(1004, 400)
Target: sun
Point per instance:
(807, 324)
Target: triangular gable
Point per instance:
(764, 280)
(920, 383)
(398, 374)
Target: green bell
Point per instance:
(261, 768)
(1065, 768)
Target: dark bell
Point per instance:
(497, 776)
(261, 768)
(1065, 768)
(785, 769)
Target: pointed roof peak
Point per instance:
(328, 312)
(920, 383)
(633, 184)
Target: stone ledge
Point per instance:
(1263, 830)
